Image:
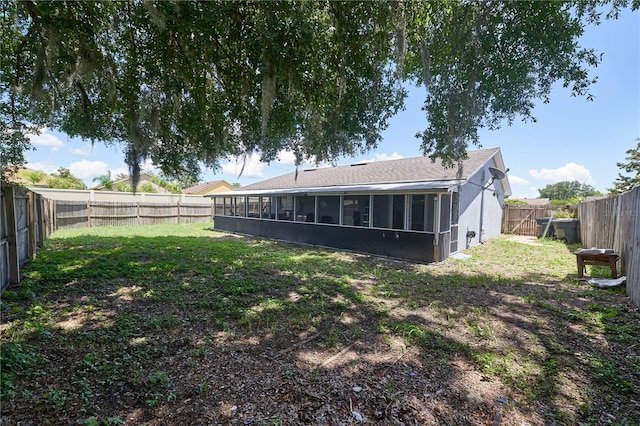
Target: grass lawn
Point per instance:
(178, 324)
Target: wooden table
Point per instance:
(596, 257)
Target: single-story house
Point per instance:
(208, 188)
(412, 208)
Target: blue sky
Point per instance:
(573, 139)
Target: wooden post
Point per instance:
(45, 216)
(40, 224)
(54, 216)
(32, 224)
(49, 217)
(89, 214)
(178, 204)
(12, 235)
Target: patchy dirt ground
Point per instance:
(470, 342)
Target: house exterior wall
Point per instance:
(480, 210)
(221, 187)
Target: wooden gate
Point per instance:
(521, 220)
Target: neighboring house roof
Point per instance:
(144, 178)
(20, 177)
(536, 201)
(403, 174)
(209, 187)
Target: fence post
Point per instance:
(45, 216)
(41, 224)
(54, 215)
(32, 224)
(50, 215)
(179, 219)
(89, 214)
(12, 235)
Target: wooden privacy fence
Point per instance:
(615, 223)
(521, 220)
(75, 214)
(22, 230)
(28, 218)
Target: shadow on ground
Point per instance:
(180, 330)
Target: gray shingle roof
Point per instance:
(418, 169)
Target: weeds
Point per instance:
(16, 359)
(56, 398)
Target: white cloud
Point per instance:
(252, 167)
(149, 167)
(288, 158)
(120, 170)
(531, 193)
(85, 151)
(384, 157)
(517, 180)
(46, 139)
(88, 170)
(568, 172)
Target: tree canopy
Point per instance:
(185, 83)
(568, 190)
(631, 168)
(63, 179)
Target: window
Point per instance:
(229, 206)
(382, 211)
(328, 209)
(455, 208)
(417, 212)
(445, 212)
(268, 208)
(455, 215)
(253, 207)
(398, 212)
(240, 207)
(355, 210)
(285, 207)
(219, 206)
(431, 212)
(305, 209)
